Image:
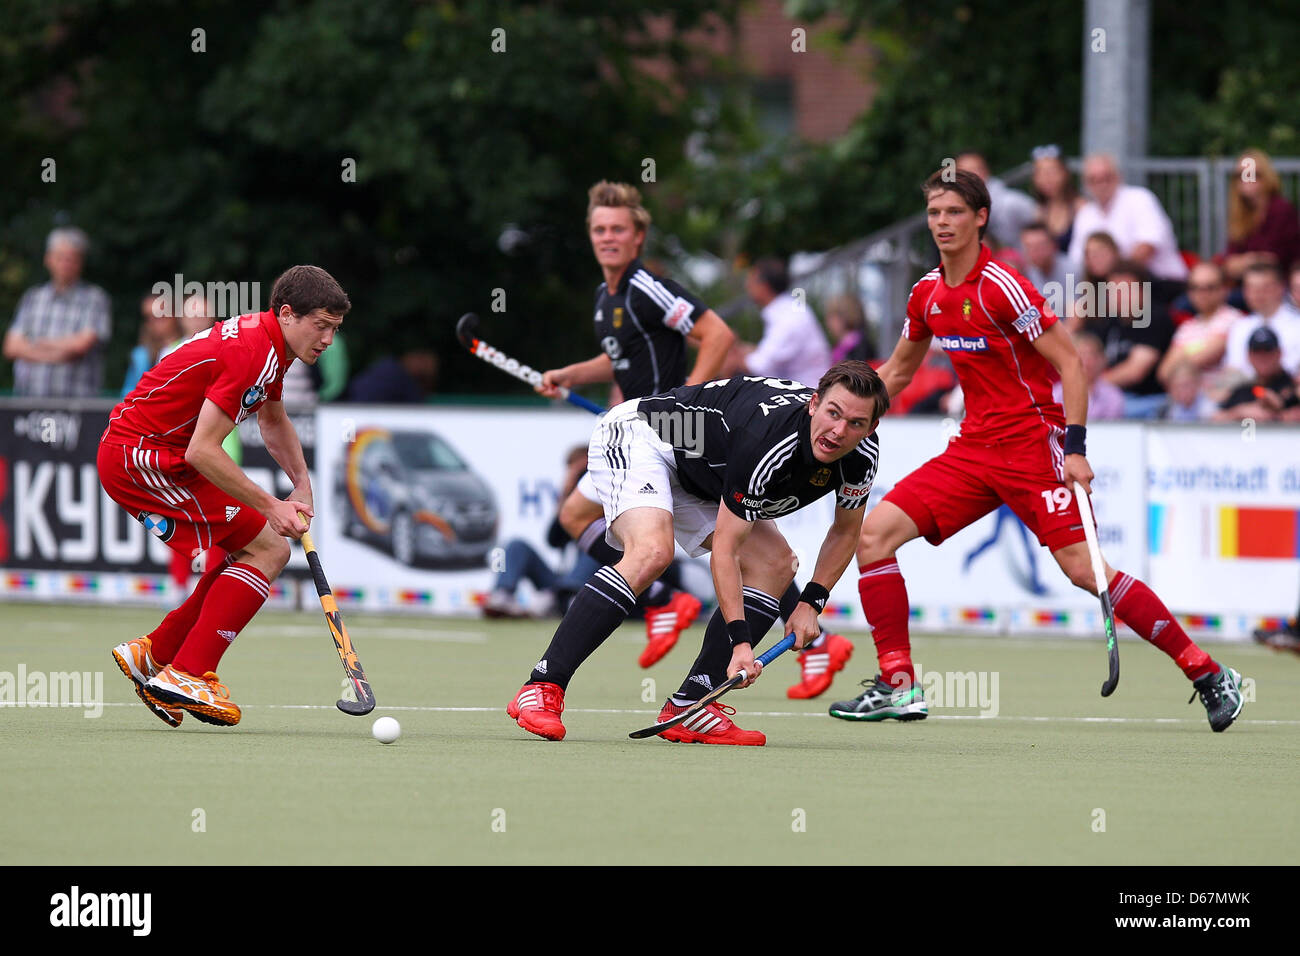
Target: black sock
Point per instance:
(592, 540)
(600, 607)
(710, 668)
(788, 600)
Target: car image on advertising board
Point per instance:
(408, 491)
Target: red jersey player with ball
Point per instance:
(161, 459)
(1017, 447)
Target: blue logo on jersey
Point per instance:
(252, 396)
(159, 525)
(962, 343)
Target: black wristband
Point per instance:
(738, 632)
(1076, 437)
(816, 595)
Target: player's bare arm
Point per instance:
(837, 550)
(729, 535)
(284, 445)
(713, 337)
(598, 369)
(206, 456)
(1057, 347)
(902, 364)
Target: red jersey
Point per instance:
(239, 364)
(987, 325)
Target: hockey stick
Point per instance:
(766, 658)
(1103, 592)
(365, 701)
(467, 332)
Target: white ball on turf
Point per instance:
(386, 730)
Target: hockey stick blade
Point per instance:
(467, 330)
(1103, 592)
(766, 658)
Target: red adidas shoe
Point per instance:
(710, 726)
(537, 709)
(817, 666)
(664, 624)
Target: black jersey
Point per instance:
(642, 327)
(745, 441)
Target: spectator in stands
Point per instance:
(1010, 210)
(933, 389)
(1135, 331)
(1262, 226)
(1132, 215)
(1105, 401)
(847, 323)
(1187, 402)
(793, 345)
(59, 332)
(1266, 299)
(522, 562)
(1058, 199)
(158, 329)
(1044, 263)
(1270, 395)
(1201, 340)
(196, 316)
(1293, 285)
(394, 381)
(1100, 257)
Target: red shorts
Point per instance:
(971, 479)
(173, 501)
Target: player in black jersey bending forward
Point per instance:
(710, 466)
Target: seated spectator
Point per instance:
(1262, 226)
(389, 381)
(1135, 331)
(1010, 210)
(555, 588)
(158, 329)
(793, 345)
(1270, 395)
(1187, 402)
(847, 324)
(1044, 263)
(1134, 218)
(1100, 257)
(1058, 199)
(1202, 339)
(931, 388)
(1105, 401)
(59, 332)
(1266, 298)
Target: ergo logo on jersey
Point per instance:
(855, 491)
(677, 313)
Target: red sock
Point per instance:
(1137, 606)
(235, 597)
(179, 569)
(884, 601)
(168, 636)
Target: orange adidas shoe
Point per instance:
(135, 658)
(712, 725)
(204, 697)
(817, 666)
(537, 709)
(664, 624)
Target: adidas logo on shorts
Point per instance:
(647, 489)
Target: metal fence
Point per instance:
(881, 268)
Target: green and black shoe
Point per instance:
(1221, 695)
(882, 701)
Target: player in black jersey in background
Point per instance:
(642, 323)
(710, 466)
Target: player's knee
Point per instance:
(277, 554)
(872, 546)
(1081, 576)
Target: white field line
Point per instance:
(366, 632)
(751, 713)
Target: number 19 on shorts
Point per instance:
(1057, 499)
